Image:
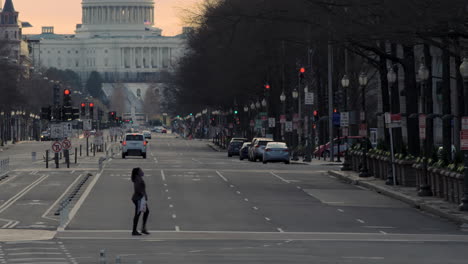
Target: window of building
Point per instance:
(106, 62)
(77, 64)
(6, 34)
(76, 52)
(58, 52)
(68, 52)
(105, 51)
(48, 52)
(16, 34)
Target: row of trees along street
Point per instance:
(409, 51)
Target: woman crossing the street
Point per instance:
(140, 200)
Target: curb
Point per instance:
(213, 147)
(417, 203)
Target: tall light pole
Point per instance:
(345, 84)
(363, 82)
(464, 73)
(283, 112)
(391, 78)
(423, 74)
(295, 96)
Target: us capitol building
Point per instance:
(116, 38)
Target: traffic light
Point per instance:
(76, 113)
(46, 113)
(83, 109)
(267, 86)
(302, 71)
(316, 115)
(236, 112)
(67, 111)
(91, 110)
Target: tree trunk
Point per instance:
(411, 100)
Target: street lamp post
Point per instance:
(423, 74)
(283, 112)
(363, 82)
(345, 84)
(464, 73)
(392, 78)
(295, 95)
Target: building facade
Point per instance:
(116, 39)
(10, 32)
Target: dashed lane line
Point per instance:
(222, 177)
(163, 176)
(279, 177)
(360, 221)
(23, 192)
(280, 230)
(340, 210)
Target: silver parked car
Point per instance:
(257, 148)
(134, 145)
(276, 151)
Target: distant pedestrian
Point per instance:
(140, 199)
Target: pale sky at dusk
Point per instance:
(65, 14)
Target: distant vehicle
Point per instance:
(276, 151)
(239, 139)
(159, 129)
(147, 134)
(234, 147)
(257, 148)
(92, 132)
(134, 145)
(45, 136)
(244, 151)
(324, 150)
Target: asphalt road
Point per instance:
(208, 208)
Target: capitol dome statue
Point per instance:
(117, 18)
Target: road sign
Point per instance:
(464, 140)
(87, 124)
(363, 130)
(271, 122)
(66, 144)
(344, 119)
(282, 119)
(67, 129)
(373, 136)
(56, 147)
(289, 126)
(465, 123)
(309, 99)
(56, 131)
(345, 131)
(422, 126)
(336, 119)
(392, 120)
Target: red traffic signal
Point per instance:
(302, 70)
(335, 110)
(83, 105)
(91, 104)
(315, 113)
(66, 92)
(267, 86)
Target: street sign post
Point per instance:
(309, 99)
(56, 147)
(422, 126)
(87, 124)
(344, 119)
(56, 131)
(336, 119)
(289, 126)
(67, 129)
(66, 144)
(272, 122)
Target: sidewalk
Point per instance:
(407, 195)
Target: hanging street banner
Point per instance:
(422, 126)
(336, 119)
(464, 140)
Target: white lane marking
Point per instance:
(14, 224)
(9, 179)
(171, 206)
(174, 216)
(232, 186)
(163, 176)
(279, 177)
(246, 199)
(255, 208)
(380, 227)
(222, 177)
(268, 219)
(73, 171)
(167, 190)
(60, 199)
(280, 230)
(23, 192)
(80, 202)
(177, 228)
(156, 160)
(299, 187)
(238, 192)
(169, 198)
(341, 210)
(382, 232)
(360, 221)
(197, 161)
(165, 185)
(359, 257)
(330, 176)
(7, 224)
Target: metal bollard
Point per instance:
(102, 257)
(80, 150)
(47, 159)
(76, 155)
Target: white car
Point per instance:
(134, 145)
(147, 134)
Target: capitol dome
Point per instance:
(116, 17)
